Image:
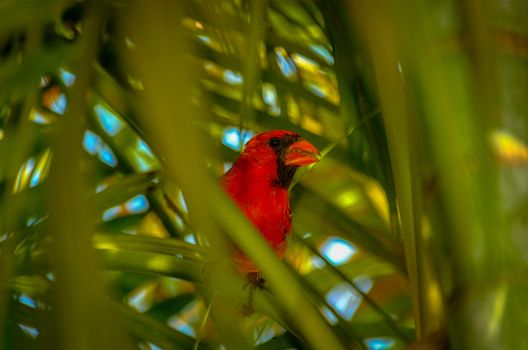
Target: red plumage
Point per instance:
(259, 182)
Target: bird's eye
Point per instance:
(275, 142)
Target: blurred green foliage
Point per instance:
(118, 117)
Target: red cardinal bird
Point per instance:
(259, 181)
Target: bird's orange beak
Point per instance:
(301, 153)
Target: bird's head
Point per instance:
(279, 153)
(286, 146)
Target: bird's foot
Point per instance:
(254, 281)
